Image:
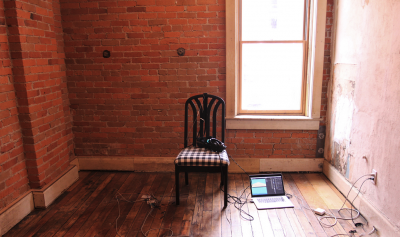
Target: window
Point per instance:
(273, 46)
(274, 63)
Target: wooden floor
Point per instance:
(90, 208)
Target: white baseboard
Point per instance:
(374, 216)
(75, 162)
(36, 198)
(166, 164)
(292, 165)
(45, 196)
(127, 163)
(15, 212)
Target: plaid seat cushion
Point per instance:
(193, 156)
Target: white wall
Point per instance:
(364, 99)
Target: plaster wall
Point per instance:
(364, 99)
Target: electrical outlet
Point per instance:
(374, 175)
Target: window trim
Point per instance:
(311, 119)
(305, 44)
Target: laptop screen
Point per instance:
(267, 185)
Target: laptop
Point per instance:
(267, 191)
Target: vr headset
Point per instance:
(210, 143)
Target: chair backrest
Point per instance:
(207, 109)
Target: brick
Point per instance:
(145, 83)
(136, 9)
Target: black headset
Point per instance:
(211, 143)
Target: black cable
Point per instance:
(239, 165)
(237, 202)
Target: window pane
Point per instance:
(272, 76)
(272, 20)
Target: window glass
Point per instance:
(271, 76)
(272, 20)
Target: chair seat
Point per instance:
(193, 156)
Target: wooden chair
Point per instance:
(207, 109)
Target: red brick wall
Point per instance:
(132, 102)
(13, 175)
(39, 81)
(290, 144)
(327, 59)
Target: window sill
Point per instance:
(272, 122)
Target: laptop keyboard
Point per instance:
(270, 199)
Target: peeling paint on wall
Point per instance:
(364, 90)
(365, 3)
(341, 123)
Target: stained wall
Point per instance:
(364, 99)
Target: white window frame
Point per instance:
(315, 64)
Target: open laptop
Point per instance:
(267, 191)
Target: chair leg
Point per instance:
(186, 178)
(225, 186)
(177, 186)
(222, 178)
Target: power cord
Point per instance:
(151, 200)
(239, 202)
(230, 157)
(324, 215)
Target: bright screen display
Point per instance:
(271, 185)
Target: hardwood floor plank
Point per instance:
(191, 200)
(68, 209)
(256, 224)
(235, 221)
(285, 222)
(207, 207)
(338, 193)
(34, 219)
(276, 224)
(82, 219)
(226, 230)
(307, 229)
(347, 225)
(172, 207)
(165, 203)
(106, 178)
(329, 197)
(294, 222)
(190, 205)
(312, 198)
(177, 221)
(208, 193)
(153, 221)
(142, 189)
(55, 209)
(265, 223)
(312, 219)
(126, 195)
(90, 208)
(199, 206)
(145, 210)
(247, 229)
(216, 205)
(83, 175)
(164, 190)
(100, 214)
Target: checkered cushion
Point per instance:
(193, 156)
